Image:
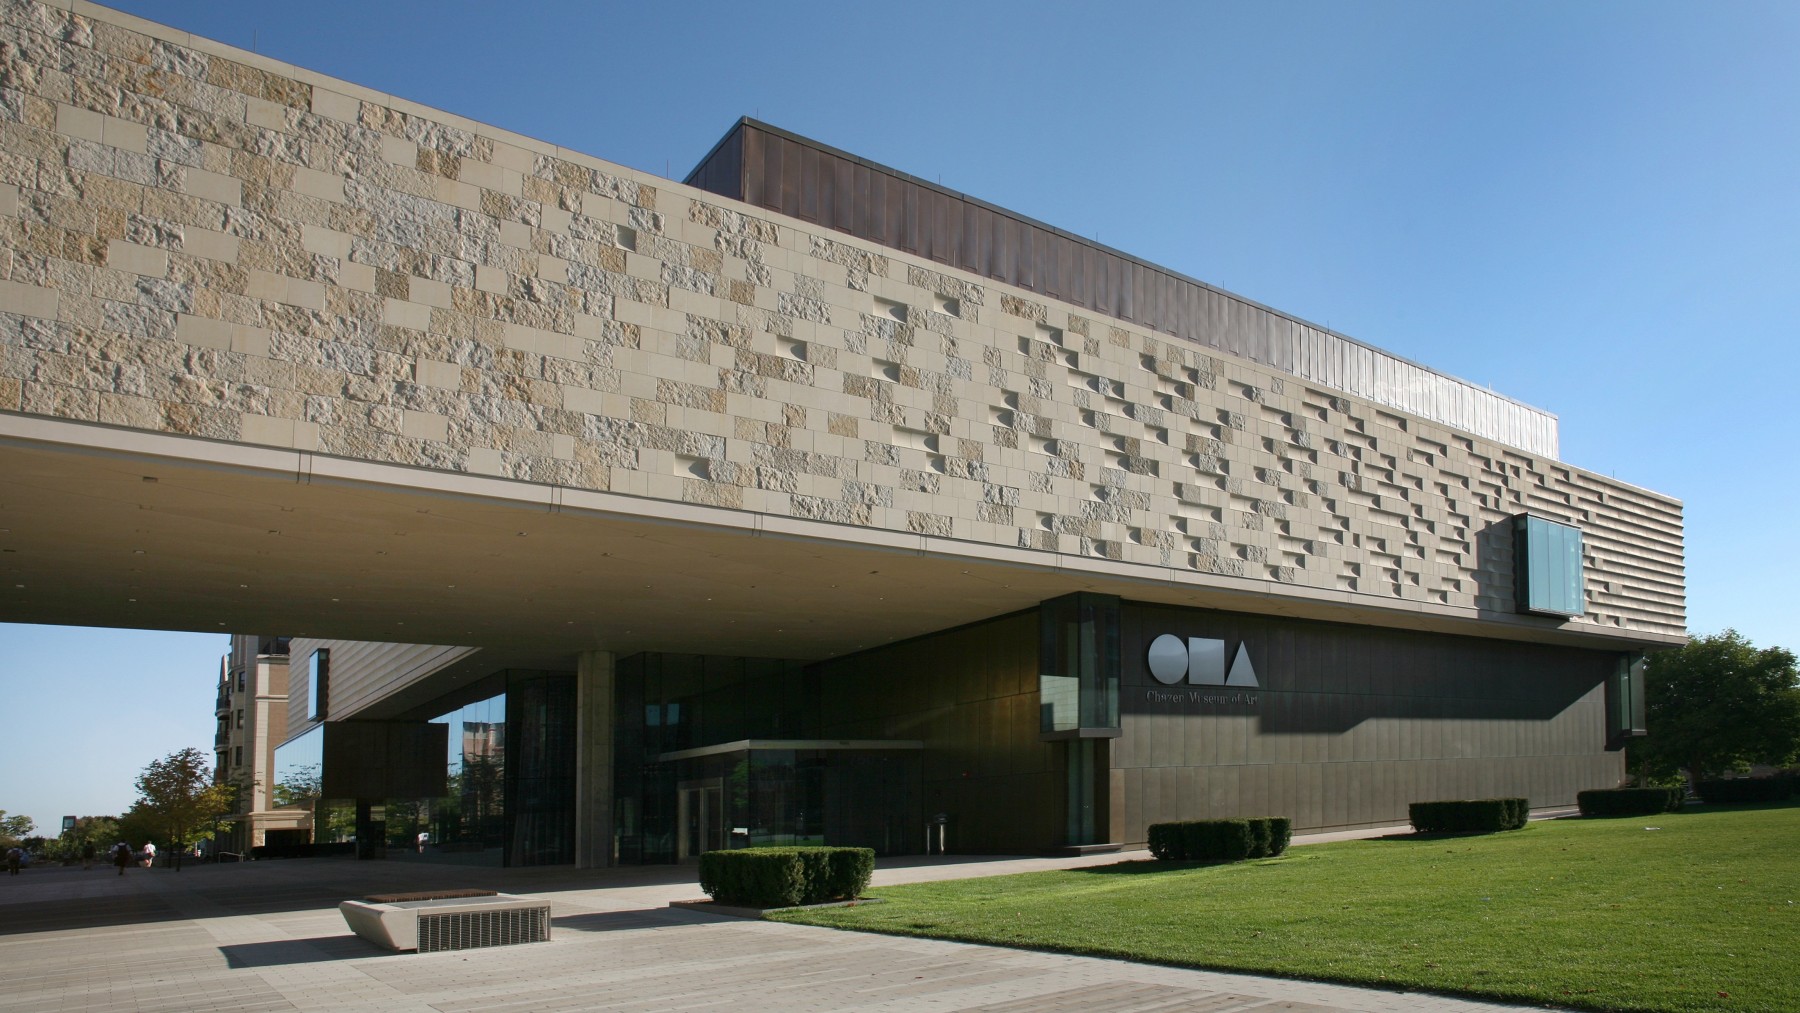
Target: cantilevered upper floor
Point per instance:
(278, 351)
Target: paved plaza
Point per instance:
(267, 936)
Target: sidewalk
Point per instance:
(266, 936)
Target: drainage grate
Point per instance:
(464, 930)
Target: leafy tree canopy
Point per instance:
(178, 798)
(1719, 704)
(14, 828)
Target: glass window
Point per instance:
(298, 762)
(1625, 701)
(1547, 567)
(1078, 663)
(318, 683)
(471, 818)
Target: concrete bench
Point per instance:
(449, 923)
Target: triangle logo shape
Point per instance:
(1242, 672)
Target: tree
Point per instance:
(177, 794)
(14, 828)
(100, 831)
(1719, 704)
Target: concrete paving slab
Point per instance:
(266, 936)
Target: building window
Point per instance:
(237, 756)
(1078, 666)
(1625, 701)
(240, 719)
(1547, 567)
(240, 680)
(318, 683)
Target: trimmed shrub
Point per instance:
(1259, 838)
(1220, 840)
(1469, 816)
(1743, 790)
(1281, 832)
(1216, 840)
(1166, 842)
(848, 871)
(785, 877)
(1628, 801)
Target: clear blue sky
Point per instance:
(1594, 208)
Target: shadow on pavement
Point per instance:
(613, 921)
(84, 913)
(300, 951)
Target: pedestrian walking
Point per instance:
(87, 855)
(121, 856)
(14, 855)
(149, 854)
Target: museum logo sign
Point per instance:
(1199, 663)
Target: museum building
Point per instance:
(612, 518)
(1075, 723)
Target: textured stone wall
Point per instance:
(196, 240)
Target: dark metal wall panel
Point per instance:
(722, 170)
(971, 695)
(815, 183)
(1361, 720)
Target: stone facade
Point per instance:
(199, 241)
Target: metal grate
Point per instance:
(465, 930)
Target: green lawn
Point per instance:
(1702, 913)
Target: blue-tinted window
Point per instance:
(318, 683)
(298, 763)
(1547, 567)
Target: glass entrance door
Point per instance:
(702, 820)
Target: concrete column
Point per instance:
(594, 760)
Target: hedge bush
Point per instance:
(1469, 816)
(1221, 840)
(1628, 801)
(785, 877)
(1742, 790)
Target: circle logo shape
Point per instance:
(1168, 659)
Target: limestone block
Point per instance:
(327, 186)
(29, 300)
(202, 331)
(404, 313)
(426, 426)
(142, 260)
(125, 134)
(335, 105)
(77, 122)
(262, 429)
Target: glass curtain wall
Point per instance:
(510, 789)
(540, 772)
(471, 818)
(670, 810)
(671, 702)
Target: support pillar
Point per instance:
(594, 760)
